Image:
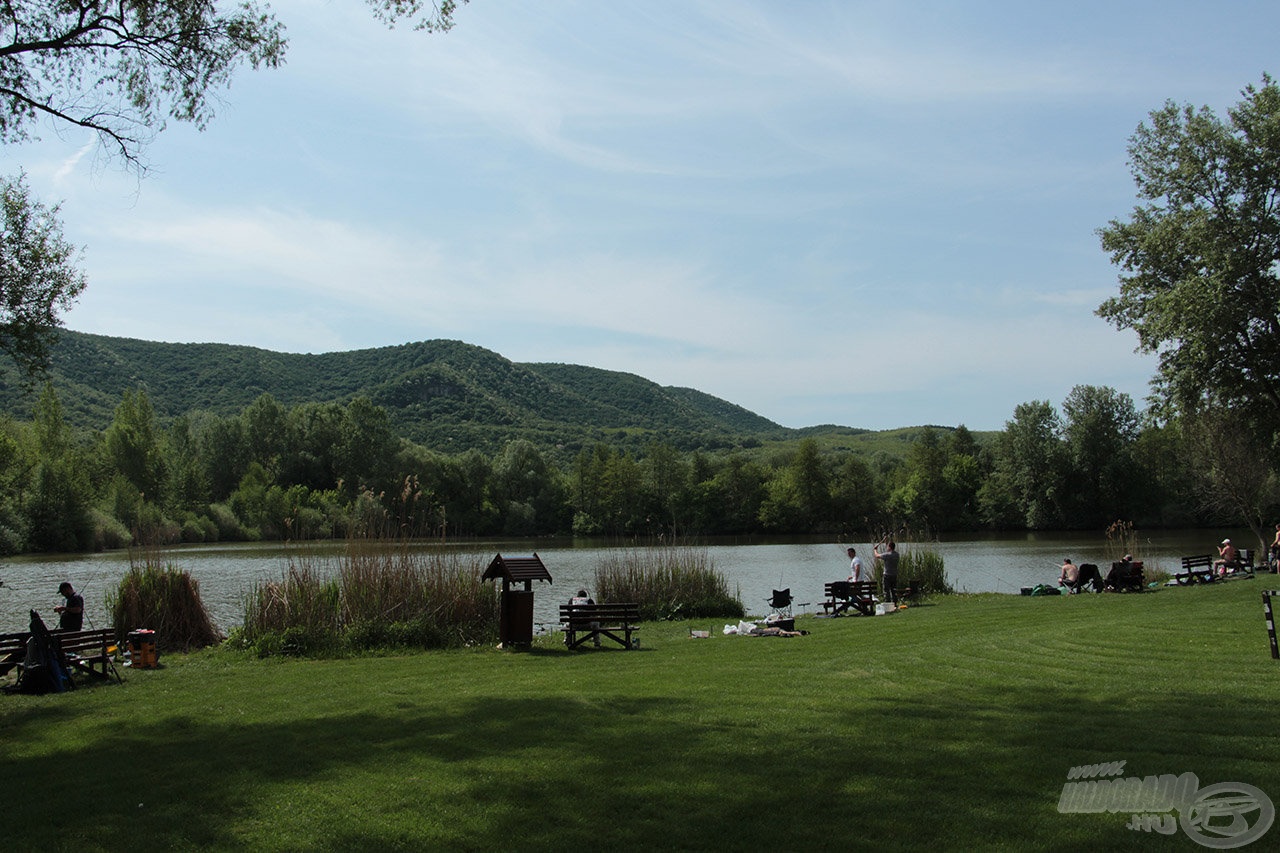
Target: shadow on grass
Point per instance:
(981, 767)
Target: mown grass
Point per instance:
(948, 726)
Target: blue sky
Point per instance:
(870, 214)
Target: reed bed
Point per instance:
(383, 594)
(925, 567)
(668, 582)
(157, 595)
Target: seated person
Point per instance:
(1125, 574)
(1228, 558)
(1070, 575)
(581, 597)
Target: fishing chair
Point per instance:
(1089, 577)
(781, 603)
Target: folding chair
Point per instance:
(780, 601)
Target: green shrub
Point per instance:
(109, 533)
(157, 595)
(230, 529)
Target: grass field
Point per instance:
(952, 725)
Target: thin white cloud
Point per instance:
(860, 212)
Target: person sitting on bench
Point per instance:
(582, 598)
(1228, 558)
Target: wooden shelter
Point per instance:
(515, 622)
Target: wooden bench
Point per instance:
(1244, 564)
(1195, 568)
(582, 622)
(90, 651)
(843, 595)
(13, 651)
(87, 651)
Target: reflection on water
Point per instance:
(994, 563)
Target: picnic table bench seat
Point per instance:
(842, 596)
(583, 622)
(1196, 568)
(13, 651)
(1243, 566)
(88, 651)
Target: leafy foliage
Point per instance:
(438, 393)
(1201, 257)
(38, 276)
(121, 69)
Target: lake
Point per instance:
(1002, 563)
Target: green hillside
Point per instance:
(438, 393)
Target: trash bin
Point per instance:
(515, 605)
(142, 649)
(515, 624)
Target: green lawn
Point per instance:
(951, 725)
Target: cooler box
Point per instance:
(142, 649)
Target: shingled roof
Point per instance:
(517, 569)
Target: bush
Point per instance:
(229, 527)
(198, 528)
(109, 532)
(155, 594)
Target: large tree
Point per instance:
(1201, 282)
(1101, 427)
(122, 68)
(38, 276)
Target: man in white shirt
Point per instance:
(857, 572)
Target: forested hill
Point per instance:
(438, 393)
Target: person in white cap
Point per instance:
(1228, 558)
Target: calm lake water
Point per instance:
(1002, 563)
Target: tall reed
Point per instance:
(924, 567)
(667, 581)
(381, 594)
(157, 595)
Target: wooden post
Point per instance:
(1271, 622)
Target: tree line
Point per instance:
(321, 470)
